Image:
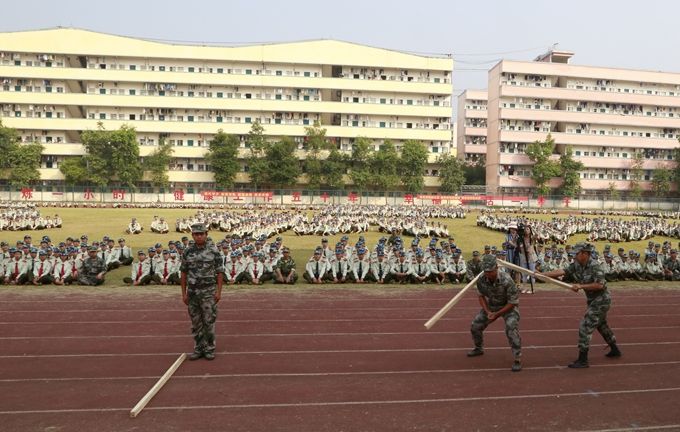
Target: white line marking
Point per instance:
(387, 350)
(330, 374)
(247, 335)
(637, 428)
(352, 403)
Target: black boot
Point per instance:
(581, 362)
(475, 352)
(614, 351)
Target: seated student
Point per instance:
(255, 269)
(315, 269)
(338, 267)
(15, 268)
(270, 264)
(360, 266)
(474, 266)
(380, 269)
(234, 269)
(166, 273)
(31, 259)
(285, 271)
(401, 270)
(141, 271)
(134, 227)
(671, 266)
(64, 271)
(457, 269)
(420, 271)
(439, 269)
(122, 253)
(42, 270)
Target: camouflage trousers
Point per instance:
(481, 322)
(596, 318)
(203, 313)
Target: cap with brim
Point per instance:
(489, 263)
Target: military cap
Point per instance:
(198, 228)
(92, 248)
(674, 251)
(165, 251)
(273, 250)
(279, 239)
(324, 240)
(151, 249)
(475, 253)
(489, 263)
(83, 237)
(234, 254)
(33, 250)
(27, 236)
(158, 245)
(141, 252)
(13, 250)
(583, 247)
(487, 247)
(285, 249)
(317, 251)
(3, 243)
(185, 238)
(337, 251)
(42, 253)
(621, 249)
(361, 251)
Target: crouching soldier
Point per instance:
(285, 268)
(93, 269)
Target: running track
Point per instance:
(334, 360)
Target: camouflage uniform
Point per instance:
(92, 266)
(474, 267)
(201, 265)
(285, 266)
(598, 302)
(499, 293)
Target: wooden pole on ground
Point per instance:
(161, 382)
(534, 274)
(451, 303)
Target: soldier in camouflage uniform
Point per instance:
(671, 266)
(474, 266)
(285, 269)
(94, 268)
(587, 275)
(499, 297)
(201, 283)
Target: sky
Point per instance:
(478, 33)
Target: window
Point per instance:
(133, 67)
(355, 123)
(248, 120)
(48, 89)
(383, 100)
(190, 118)
(409, 101)
(307, 74)
(190, 142)
(132, 116)
(249, 71)
(220, 94)
(161, 68)
(278, 97)
(132, 92)
(48, 114)
(102, 91)
(191, 68)
(219, 119)
(220, 70)
(17, 113)
(355, 99)
(102, 116)
(279, 73)
(161, 92)
(382, 124)
(190, 93)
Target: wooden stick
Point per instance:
(451, 303)
(534, 274)
(161, 382)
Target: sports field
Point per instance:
(303, 358)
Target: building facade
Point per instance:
(606, 115)
(59, 82)
(471, 121)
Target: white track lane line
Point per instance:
(331, 374)
(356, 403)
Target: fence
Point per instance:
(208, 197)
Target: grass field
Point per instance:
(97, 223)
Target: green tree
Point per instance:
(74, 170)
(544, 169)
(284, 167)
(256, 159)
(614, 193)
(661, 181)
(451, 173)
(636, 175)
(359, 163)
(412, 165)
(475, 172)
(223, 158)
(112, 153)
(571, 179)
(315, 143)
(157, 164)
(676, 172)
(19, 162)
(384, 167)
(334, 168)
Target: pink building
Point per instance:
(606, 115)
(471, 121)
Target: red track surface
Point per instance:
(334, 360)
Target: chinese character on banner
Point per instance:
(237, 198)
(324, 196)
(118, 194)
(269, 197)
(178, 194)
(26, 193)
(489, 203)
(88, 195)
(436, 201)
(566, 201)
(352, 197)
(408, 199)
(207, 197)
(296, 196)
(541, 200)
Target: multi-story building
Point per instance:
(57, 83)
(471, 122)
(606, 115)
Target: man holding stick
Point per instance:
(499, 297)
(587, 275)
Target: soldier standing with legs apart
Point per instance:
(499, 297)
(587, 275)
(201, 284)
